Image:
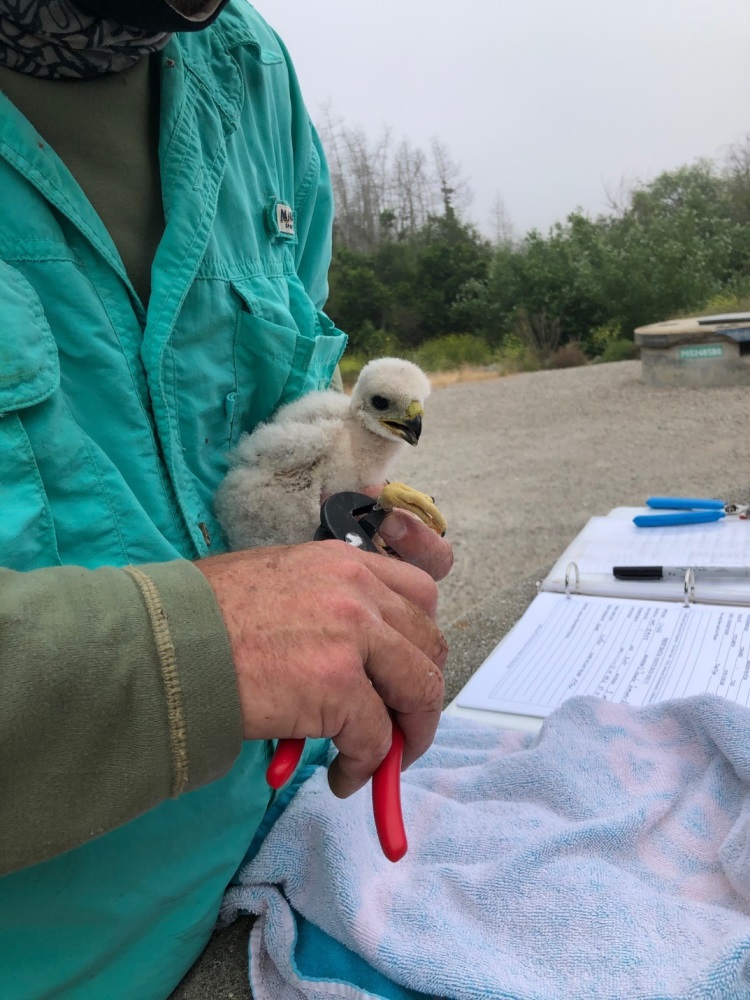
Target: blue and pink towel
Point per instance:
(605, 858)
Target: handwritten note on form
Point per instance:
(638, 652)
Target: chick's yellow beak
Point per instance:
(410, 427)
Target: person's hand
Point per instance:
(326, 639)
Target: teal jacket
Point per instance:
(115, 424)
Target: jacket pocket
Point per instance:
(283, 349)
(29, 374)
(315, 360)
(264, 355)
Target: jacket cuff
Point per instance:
(200, 683)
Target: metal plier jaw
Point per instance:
(740, 510)
(689, 510)
(351, 517)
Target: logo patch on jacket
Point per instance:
(280, 221)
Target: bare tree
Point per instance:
(737, 159)
(736, 173)
(381, 190)
(618, 197)
(504, 230)
(411, 193)
(367, 163)
(360, 177)
(454, 189)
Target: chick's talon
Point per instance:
(403, 497)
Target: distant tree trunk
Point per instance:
(410, 191)
(455, 193)
(504, 231)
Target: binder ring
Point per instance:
(689, 587)
(574, 567)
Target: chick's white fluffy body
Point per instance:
(321, 444)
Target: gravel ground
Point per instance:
(518, 465)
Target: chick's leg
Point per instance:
(406, 498)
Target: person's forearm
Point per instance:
(117, 691)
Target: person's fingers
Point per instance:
(384, 583)
(409, 581)
(362, 743)
(407, 680)
(405, 664)
(417, 544)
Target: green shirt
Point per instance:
(106, 131)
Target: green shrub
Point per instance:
(599, 339)
(619, 350)
(528, 362)
(730, 300)
(514, 356)
(455, 350)
(733, 297)
(378, 343)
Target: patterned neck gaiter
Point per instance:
(56, 40)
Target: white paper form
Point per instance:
(615, 541)
(608, 542)
(639, 652)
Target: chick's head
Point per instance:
(388, 398)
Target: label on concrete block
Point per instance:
(704, 351)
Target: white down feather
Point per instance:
(321, 444)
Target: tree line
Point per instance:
(408, 267)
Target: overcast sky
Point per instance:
(543, 102)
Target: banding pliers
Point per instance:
(355, 518)
(688, 510)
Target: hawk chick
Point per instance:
(321, 444)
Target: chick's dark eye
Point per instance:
(380, 402)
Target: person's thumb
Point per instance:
(417, 544)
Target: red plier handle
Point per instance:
(386, 789)
(284, 762)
